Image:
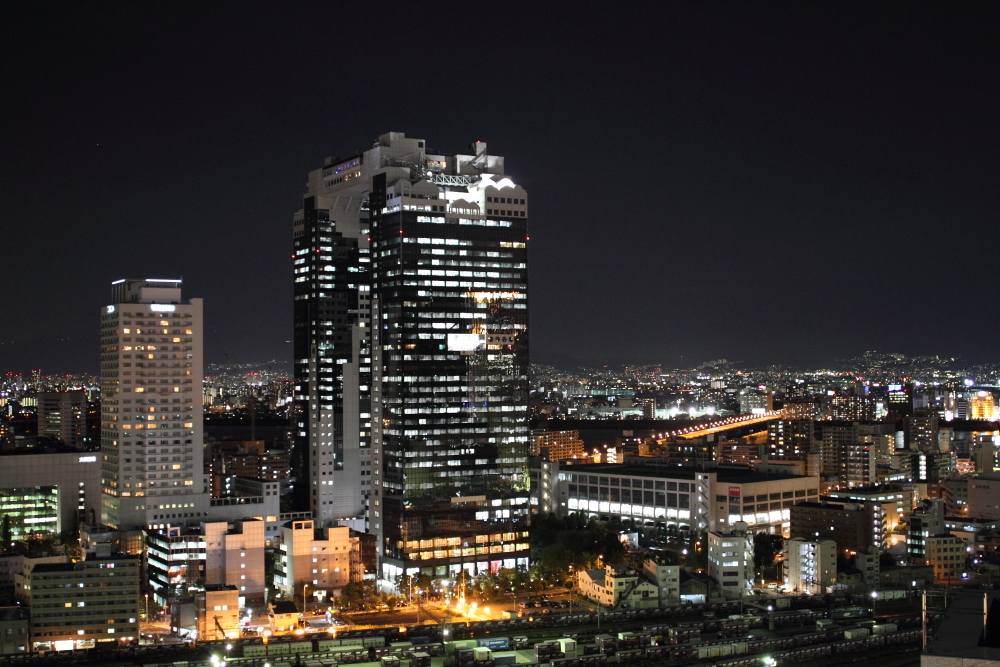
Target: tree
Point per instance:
(763, 550)
(361, 595)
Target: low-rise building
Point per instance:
(667, 578)
(906, 576)
(730, 560)
(218, 612)
(924, 522)
(75, 605)
(947, 555)
(49, 492)
(810, 565)
(15, 628)
(671, 497)
(619, 586)
(285, 616)
(325, 558)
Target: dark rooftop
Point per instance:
(726, 475)
(970, 629)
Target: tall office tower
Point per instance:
(63, 416)
(151, 405)
(411, 355)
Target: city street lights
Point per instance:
(305, 600)
(874, 600)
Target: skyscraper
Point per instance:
(411, 355)
(151, 405)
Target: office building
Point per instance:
(556, 445)
(75, 605)
(234, 556)
(63, 415)
(49, 492)
(410, 355)
(853, 526)
(324, 559)
(947, 555)
(151, 405)
(674, 498)
(15, 626)
(810, 565)
(216, 552)
(925, 522)
(730, 560)
(895, 501)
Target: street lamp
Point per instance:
(305, 600)
(874, 600)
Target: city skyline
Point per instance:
(775, 184)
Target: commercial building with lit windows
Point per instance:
(49, 492)
(151, 405)
(77, 605)
(411, 355)
(670, 497)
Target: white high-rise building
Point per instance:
(151, 406)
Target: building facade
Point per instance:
(324, 559)
(730, 560)
(63, 415)
(671, 497)
(49, 493)
(556, 445)
(234, 556)
(217, 612)
(947, 555)
(853, 526)
(151, 405)
(619, 586)
(411, 355)
(810, 565)
(67, 615)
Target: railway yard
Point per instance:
(822, 630)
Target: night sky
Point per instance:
(770, 182)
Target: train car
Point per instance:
(630, 657)
(850, 612)
(657, 652)
(746, 661)
(793, 617)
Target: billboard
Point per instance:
(466, 342)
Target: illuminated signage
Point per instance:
(87, 459)
(466, 342)
(111, 309)
(734, 491)
(161, 308)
